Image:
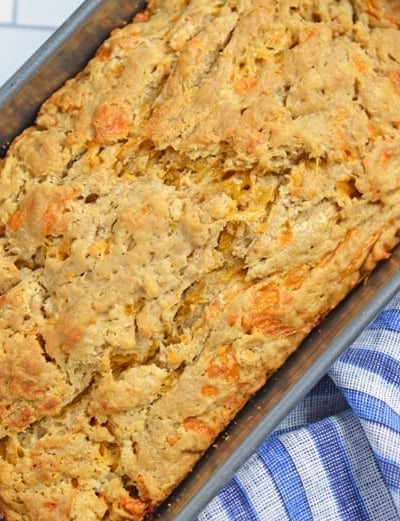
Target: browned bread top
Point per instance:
(180, 216)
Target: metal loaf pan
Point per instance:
(63, 55)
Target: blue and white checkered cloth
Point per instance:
(337, 455)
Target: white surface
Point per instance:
(6, 11)
(25, 25)
(44, 12)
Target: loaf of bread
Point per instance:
(180, 216)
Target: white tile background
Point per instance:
(25, 25)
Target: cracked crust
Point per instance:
(180, 216)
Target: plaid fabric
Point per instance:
(337, 455)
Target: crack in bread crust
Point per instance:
(180, 216)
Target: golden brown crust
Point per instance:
(180, 216)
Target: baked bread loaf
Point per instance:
(179, 217)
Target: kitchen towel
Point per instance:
(337, 455)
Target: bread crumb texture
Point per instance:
(179, 217)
